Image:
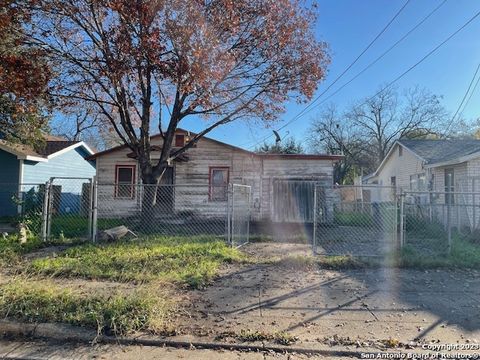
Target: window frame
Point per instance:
(400, 151)
(177, 137)
(211, 169)
(132, 184)
(449, 190)
(393, 181)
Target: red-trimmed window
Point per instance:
(125, 181)
(179, 140)
(218, 183)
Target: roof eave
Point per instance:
(32, 158)
(454, 161)
(71, 147)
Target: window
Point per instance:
(393, 181)
(179, 140)
(124, 181)
(418, 182)
(218, 182)
(400, 150)
(449, 186)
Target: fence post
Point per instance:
(249, 212)
(45, 210)
(50, 208)
(474, 212)
(229, 214)
(94, 206)
(314, 233)
(90, 210)
(402, 221)
(449, 206)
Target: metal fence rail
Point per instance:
(240, 214)
(81, 208)
(187, 210)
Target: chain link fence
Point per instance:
(77, 208)
(439, 223)
(21, 203)
(173, 210)
(355, 220)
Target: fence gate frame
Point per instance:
(48, 206)
(231, 214)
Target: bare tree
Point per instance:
(366, 131)
(150, 64)
(388, 116)
(331, 134)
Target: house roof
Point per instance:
(278, 156)
(443, 151)
(51, 149)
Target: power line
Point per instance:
(468, 100)
(431, 52)
(358, 57)
(463, 99)
(385, 52)
(355, 60)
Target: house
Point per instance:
(421, 165)
(281, 185)
(25, 171)
(428, 170)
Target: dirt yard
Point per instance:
(335, 306)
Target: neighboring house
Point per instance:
(421, 165)
(282, 185)
(430, 170)
(25, 170)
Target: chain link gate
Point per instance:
(355, 220)
(67, 208)
(239, 215)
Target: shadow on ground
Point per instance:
(316, 304)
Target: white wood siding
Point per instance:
(244, 168)
(401, 167)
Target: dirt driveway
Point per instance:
(328, 306)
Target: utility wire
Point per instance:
(354, 61)
(463, 99)
(384, 53)
(431, 52)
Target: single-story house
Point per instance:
(25, 170)
(432, 167)
(422, 165)
(281, 185)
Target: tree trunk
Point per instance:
(150, 179)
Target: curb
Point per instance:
(68, 333)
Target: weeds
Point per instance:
(281, 337)
(190, 261)
(111, 314)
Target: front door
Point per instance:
(165, 192)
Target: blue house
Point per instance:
(25, 171)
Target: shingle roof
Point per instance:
(49, 148)
(436, 151)
(52, 147)
(18, 148)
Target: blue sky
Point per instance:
(348, 26)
